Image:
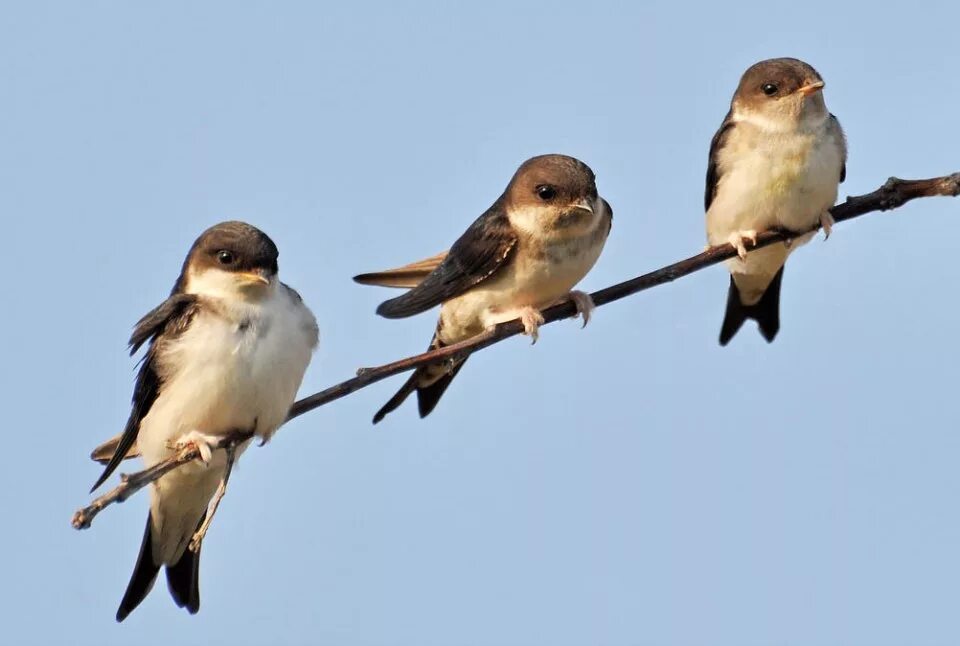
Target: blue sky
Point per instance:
(630, 483)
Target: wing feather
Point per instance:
(408, 276)
(170, 318)
(105, 451)
(835, 124)
(483, 249)
(713, 164)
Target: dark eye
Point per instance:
(546, 192)
(224, 257)
(769, 89)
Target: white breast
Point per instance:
(237, 366)
(773, 179)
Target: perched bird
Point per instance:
(775, 163)
(226, 352)
(526, 252)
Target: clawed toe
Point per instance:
(532, 319)
(737, 239)
(204, 443)
(827, 222)
(584, 304)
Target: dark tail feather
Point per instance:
(183, 578)
(766, 312)
(144, 574)
(408, 387)
(429, 396)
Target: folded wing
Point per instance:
(483, 249)
(170, 318)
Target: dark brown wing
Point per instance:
(166, 317)
(713, 168)
(170, 318)
(843, 140)
(483, 249)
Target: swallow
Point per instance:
(226, 351)
(526, 252)
(775, 163)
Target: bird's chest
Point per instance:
(777, 180)
(538, 275)
(545, 272)
(237, 369)
(781, 166)
(799, 168)
(237, 347)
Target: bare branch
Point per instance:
(893, 194)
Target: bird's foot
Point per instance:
(205, 444)
(584, 304)
(532, 319)
(737, 239)
(827, 222)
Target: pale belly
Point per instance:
(782, 183)
(230, 377)
(234, 371)
(531, 280)
(775, 183)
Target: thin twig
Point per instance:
(131, 484)
(198, 536)
(893, 194)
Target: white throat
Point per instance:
(778, 123)
(538, 221)
(217, 283)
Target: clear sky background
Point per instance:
(630, 483)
